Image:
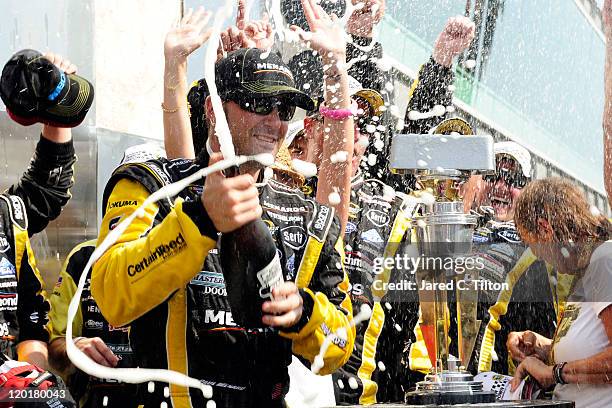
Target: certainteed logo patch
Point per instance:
(163, 251)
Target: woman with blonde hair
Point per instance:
(555, 220)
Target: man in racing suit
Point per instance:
(534, 292)
(164, 277)
(108, 345)
(378, 226)
(25, 209)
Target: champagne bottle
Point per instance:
(251, 268)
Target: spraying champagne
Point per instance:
(251, 268)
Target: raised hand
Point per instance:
(326, 35)
(259, 34)
(246, 34)
(189, 35)
(61, 62)
(363, 19)
(453, 40)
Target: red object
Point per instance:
(15, 379)
(338, 114)
(429, 337)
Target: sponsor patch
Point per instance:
(94, 324)
(510, 235)
(8, 284)
(220, 317)
(294, 236)
(211, 279)
(18, 213)
(7, 269)
(34, 317)
(321, 218)
(350, 227)
(372, 236)
(113, 223)
(378, 218)
(271, 206)
(4, 244)
(8, 301)
(121, 204)
(163, 251)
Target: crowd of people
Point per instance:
(158, 297)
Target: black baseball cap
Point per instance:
(255, 73)
(35, 90)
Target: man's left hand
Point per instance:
(537, 369)
(286, 307)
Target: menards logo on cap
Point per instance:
(268, 66)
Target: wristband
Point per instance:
(558, 373)
(338, 114)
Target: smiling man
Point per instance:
(164, 276)
(513, 171)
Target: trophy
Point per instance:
(444, 232)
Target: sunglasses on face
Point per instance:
(512, 178)
(265, 106)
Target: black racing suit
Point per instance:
(89, 322)
(378, 225)
(25, 209)
(382, 369)
(156, 280)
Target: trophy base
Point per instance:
(448, 398)
(449, 388)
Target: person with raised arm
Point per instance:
(45, 89)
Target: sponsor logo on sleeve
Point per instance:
(122, 203)
(162, 252)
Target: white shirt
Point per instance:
(581, 333)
